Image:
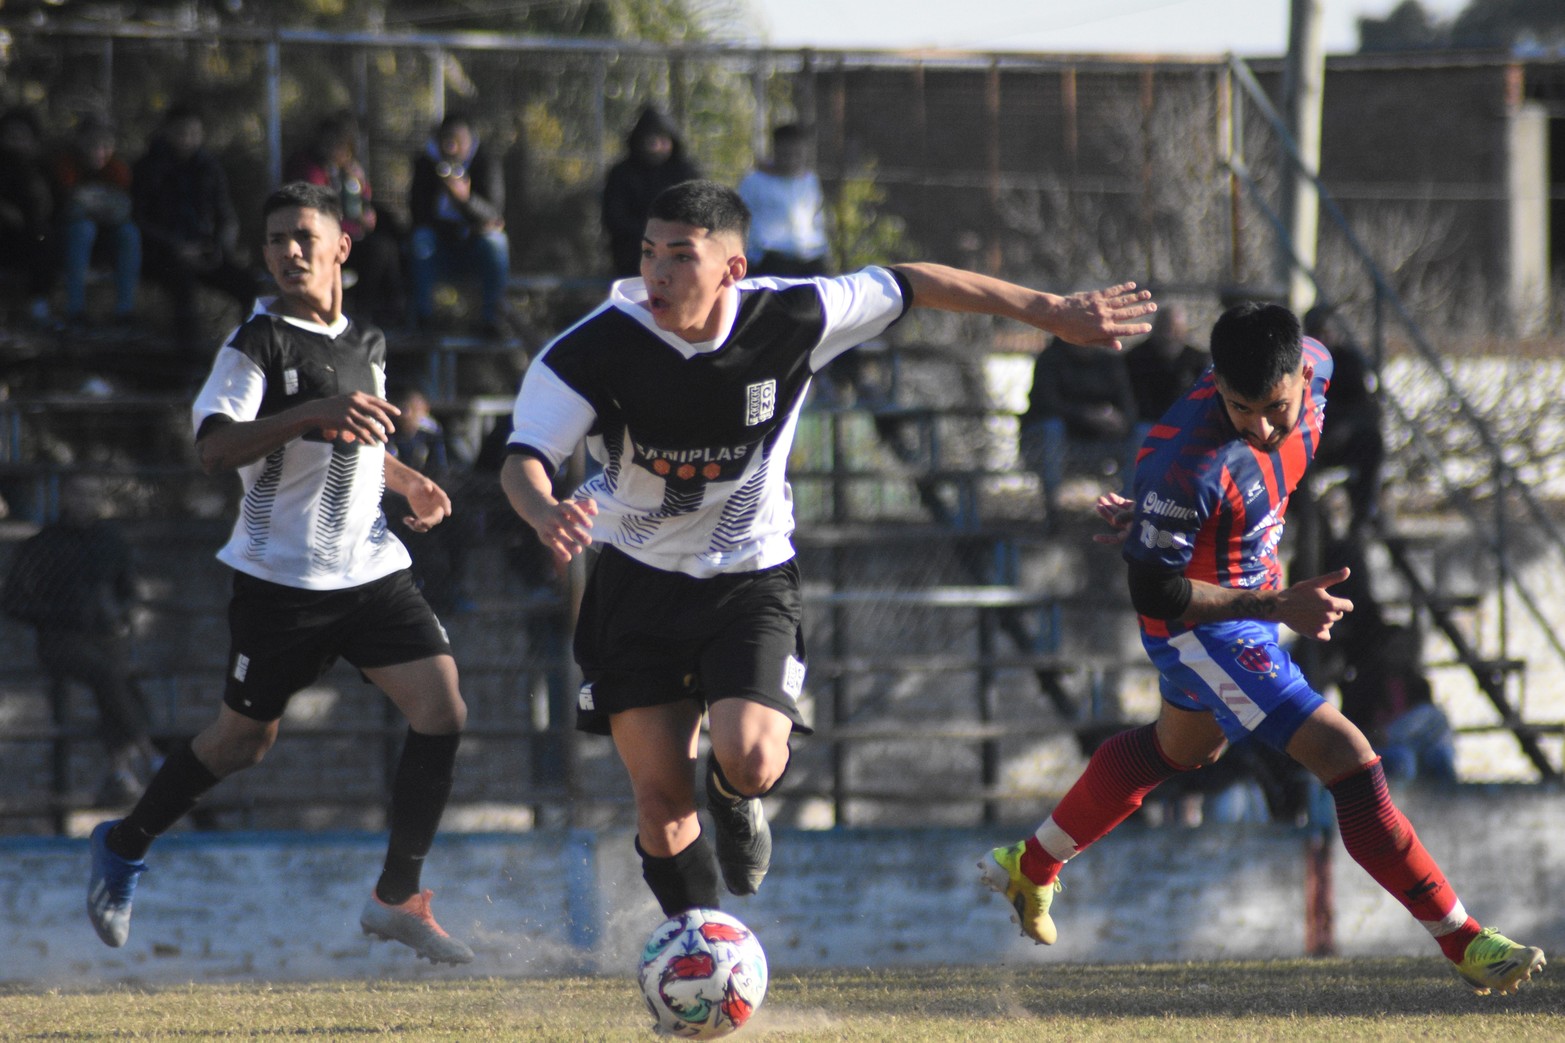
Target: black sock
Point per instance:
(686, 880)
(418, 799)
(177, 787)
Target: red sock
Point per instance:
(1381, 839)
(1118, 777)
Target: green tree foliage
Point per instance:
(861, 233)
(657, 21)
(1482, 24)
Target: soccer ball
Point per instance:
(703, 974)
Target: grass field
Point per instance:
(1337, 1000)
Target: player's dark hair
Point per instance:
(704, 204)
(180, 112)
(788, 133)
(1255, 346)
(304, 194)
(452, 120)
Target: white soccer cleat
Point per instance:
(413, 924)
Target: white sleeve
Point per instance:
(859, 307)
(233, 389)
(549, 416)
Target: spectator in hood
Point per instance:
(189, 228)
(655, 159)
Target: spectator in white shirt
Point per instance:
(787, 209)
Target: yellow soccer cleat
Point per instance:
(1494, 962)
(1002, 873)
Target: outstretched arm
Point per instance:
(1307, 608)
(1098, 317)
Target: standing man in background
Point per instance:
(787, 210)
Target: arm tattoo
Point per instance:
(1212, 604)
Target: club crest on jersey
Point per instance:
(1255, 658)
(760, 402)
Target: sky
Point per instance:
(1252, 28)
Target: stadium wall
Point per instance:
(283, 906)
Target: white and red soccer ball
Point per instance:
(703, 974)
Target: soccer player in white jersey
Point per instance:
(686, 385)
(295, 403)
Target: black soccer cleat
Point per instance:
(744, 840)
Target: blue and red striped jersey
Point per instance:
(1207, 503)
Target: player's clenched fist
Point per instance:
(356, 417)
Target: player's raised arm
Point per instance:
(1096, 317)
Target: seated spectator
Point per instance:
(372, 275)
(1163, 366)
(439, 554)
(73, 583)
(1080, 416)
(1352, 437)
(787, 210)
(92, 185)
(189, 229)
(26, 208)
(654, 159)
(457, 200)
(1391, 700)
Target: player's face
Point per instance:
(304, 250)
(1266, 421)
(687, 270)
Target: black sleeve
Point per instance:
(1158, 593)
(906, 288)
(212, 422)
(422, 192)
(487, 201)
(522, 449)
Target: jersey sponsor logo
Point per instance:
(290, 381)
(760, 402)
(1154, 504)
(705, 463)
(1154, 538)
(1265, 522)
(793, 678)
(241, 667)
(584, 700)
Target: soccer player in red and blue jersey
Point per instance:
(1200, 537)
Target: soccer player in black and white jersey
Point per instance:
(295, 403)
(686, 385)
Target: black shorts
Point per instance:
(283, 638)
(646, 637)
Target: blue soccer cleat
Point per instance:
(110, 890)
